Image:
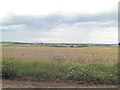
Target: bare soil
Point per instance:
(50, 84)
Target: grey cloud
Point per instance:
(60, 28)
(50, 21)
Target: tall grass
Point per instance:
(97, 73)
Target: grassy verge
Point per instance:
(97, 73)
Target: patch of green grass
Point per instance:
(97, 73)
(5, 44)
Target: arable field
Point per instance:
(83, 55)
(85, 66)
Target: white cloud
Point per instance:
(90, 32)
(77, 20)
(66, 7)
(84, 32)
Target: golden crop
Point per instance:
(83, 55)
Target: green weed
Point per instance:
(97, 73)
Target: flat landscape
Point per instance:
(83, 55)
(60, 44)
(92, 66)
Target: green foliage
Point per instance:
(5, 44)
(57, 45)
(97, 73)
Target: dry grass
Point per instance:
(83, 55)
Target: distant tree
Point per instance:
(71, 46)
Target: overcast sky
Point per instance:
(71, 21)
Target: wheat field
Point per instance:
(83, 55)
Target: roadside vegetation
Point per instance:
(95, 64)
(33, 69)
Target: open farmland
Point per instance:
(83, 55)
(80, 67)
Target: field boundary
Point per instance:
(96, 73)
